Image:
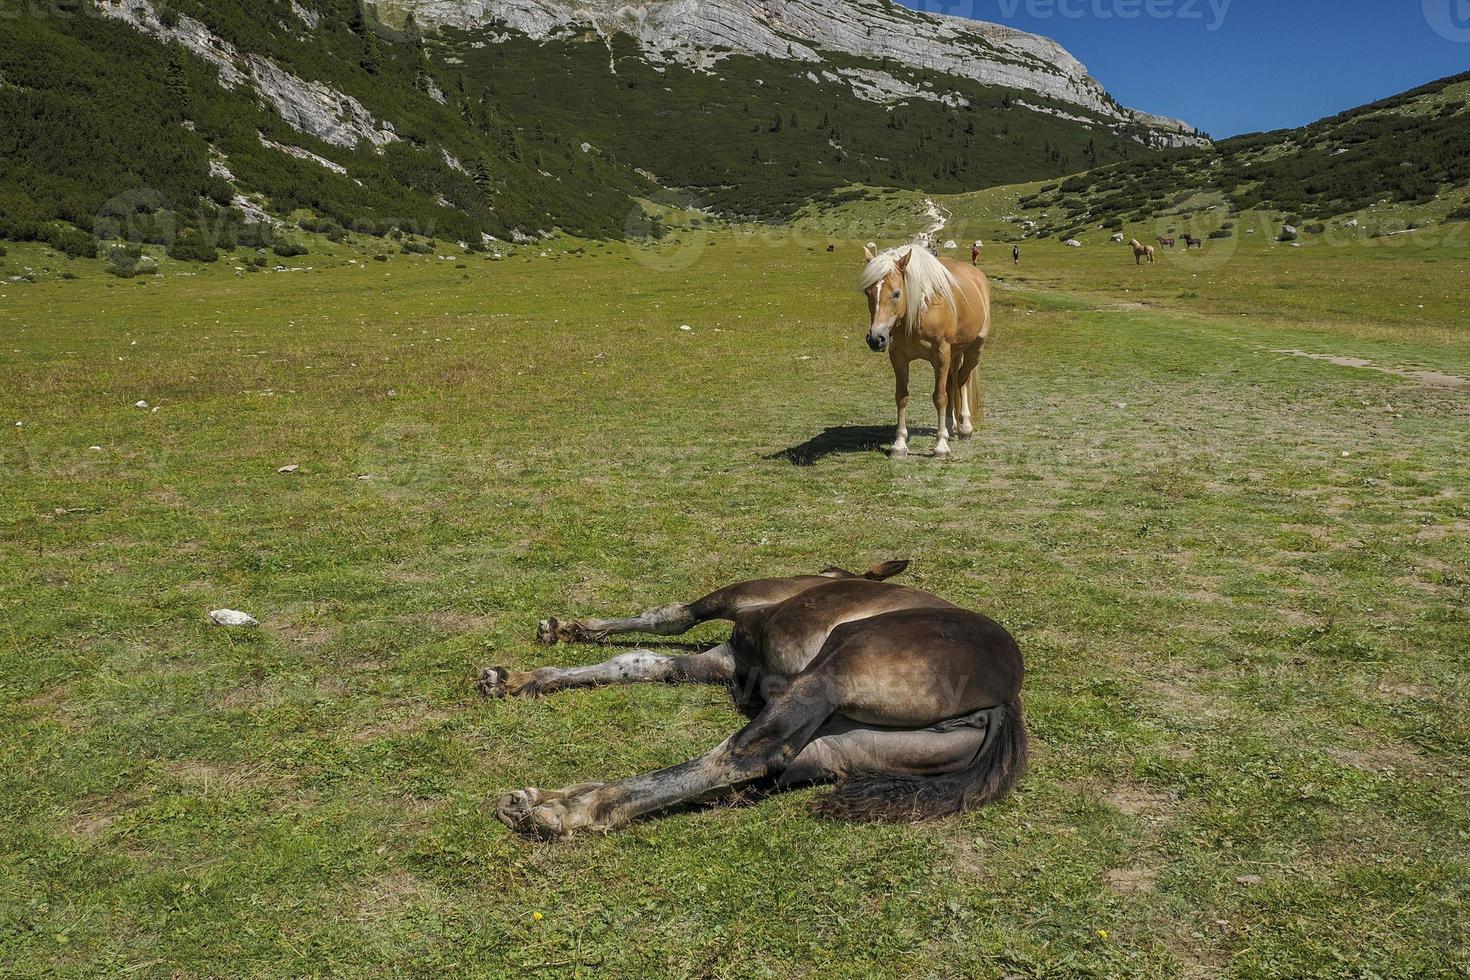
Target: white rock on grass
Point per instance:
(140, 404)
(232, 617)
(289, 468)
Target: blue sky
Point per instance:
(1237, 66)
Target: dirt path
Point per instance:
(938, 217)
(1435, 379)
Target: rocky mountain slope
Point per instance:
(703, 32)
(202, 123)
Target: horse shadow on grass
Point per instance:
(840, 440)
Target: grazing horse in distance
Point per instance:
(1141, 251)
(1166, 242)
(909, 704)
(1191, 242)
(938, 310)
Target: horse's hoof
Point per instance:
(941, 450)
(514, 808)
(898, 452)
(548, 631)
(966, 435)
(491, 682)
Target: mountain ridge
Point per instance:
(698, 32)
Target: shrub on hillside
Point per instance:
(288, 250)
(69, 241)
(1220, 233)
(123, 260)
(193, 248)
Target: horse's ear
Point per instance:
(903, 262)
(868, 253)
(886, 570)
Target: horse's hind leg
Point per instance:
(716, 666)
(966, 412)
(764, 747)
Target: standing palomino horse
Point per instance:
(936, 309)
(909, 703)
(1141, 251)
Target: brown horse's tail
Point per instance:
(902, 797)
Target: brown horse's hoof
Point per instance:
(548, 631)
(491, 682)
(514, 808)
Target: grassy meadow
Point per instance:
(1239, 578)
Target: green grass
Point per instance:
(1239, 579)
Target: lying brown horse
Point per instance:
(938, 310)
(1140, 252)
(909, 703)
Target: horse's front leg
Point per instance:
(943, 357)
(901, 397)
(671, 620)
(716, 666)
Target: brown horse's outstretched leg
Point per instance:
(765, 746)
(681, 617)
(670, 620)
(716, 666)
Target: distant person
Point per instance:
(975, 254)
(1016, 255)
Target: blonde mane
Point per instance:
(924, 279)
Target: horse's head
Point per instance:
(887, 305)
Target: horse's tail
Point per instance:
(902, 797)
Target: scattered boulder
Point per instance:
(1072, 243)
(289, 468)
(232, 617)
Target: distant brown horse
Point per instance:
(1141, 251)
(911, 705)
(938, 310)
(1166, 242)
(1191, 242)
